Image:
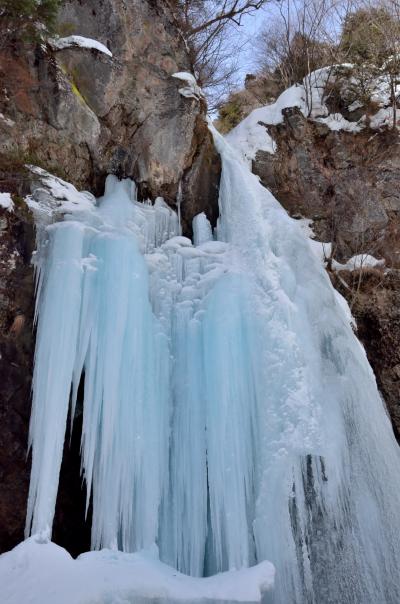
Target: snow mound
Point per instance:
(192, 90)
(79, 42)
(40, 572)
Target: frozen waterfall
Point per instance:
(230, 414)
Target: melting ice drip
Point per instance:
(229, 414)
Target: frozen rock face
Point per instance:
(348, 185)
(376, 309)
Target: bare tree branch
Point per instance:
(234, 13)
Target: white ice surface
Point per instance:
(202, 231)
(79, 42)
(323, 424)
(321, 249)
(40, 572)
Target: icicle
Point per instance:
(178, 206)
(59, 300)
(202, 231)
(95, 318)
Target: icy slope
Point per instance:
(327, 500)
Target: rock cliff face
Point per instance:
(16, 347)
(375, 298)
(348, 185)
(81, 114)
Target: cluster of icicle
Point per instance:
(229, 414)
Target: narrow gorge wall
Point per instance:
(81, 115)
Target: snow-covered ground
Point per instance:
(251, 135)
(40, 572)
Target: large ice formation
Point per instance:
(229, 414)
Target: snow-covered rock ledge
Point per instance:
(252, 135)
(56, 196)
(191, 90)
(40, 572)
(79, 42)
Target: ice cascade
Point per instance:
(229, 412)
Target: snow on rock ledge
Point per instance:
(56, 196)
(359, 262)
(192, 90)
(6, 202)
(79, 42)
(40, 572)
(251, 134)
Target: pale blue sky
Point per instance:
(249, 30)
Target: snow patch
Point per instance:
(7, 121)
(382, 119)
(192, 90)
(6, 202)
(252, 135)
(336, 122)
(358, 262)
(79, 42)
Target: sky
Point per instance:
(252, 24)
